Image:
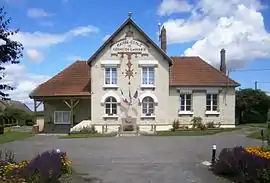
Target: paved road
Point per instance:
(137, 159)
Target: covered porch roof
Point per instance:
(72, 82)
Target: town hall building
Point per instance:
(131, 83)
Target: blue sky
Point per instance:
(57, 32)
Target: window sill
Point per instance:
(110, 86)
(107, 116)
(212, 112)
(185, 112)
(148, 86)
(148, 117)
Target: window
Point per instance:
(62, 117)
(110, 106)
(185, 102)
(211, 102)
(148, 106)
(148, 75)
(110, 76)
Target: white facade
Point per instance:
(108, 79)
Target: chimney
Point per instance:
(223, 61)
(163, 39)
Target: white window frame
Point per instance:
(111, 107)
(110, 76)
(147, 85)
(61, 122)
(185, 111)
(211, 111)
(144, 115)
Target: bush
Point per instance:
(88, 129)
(210, 124)
(47, 167)
(242, 165)
(175, 125)
(254, 116)
(196, 122)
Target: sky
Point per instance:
(55, 33)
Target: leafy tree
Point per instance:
(10, 113)
(252, 105)
(10, 51)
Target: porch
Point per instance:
(62, 113)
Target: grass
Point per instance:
(255, 125)
(86, 135)
(255, 135)
(14, 136)
(193, 132)
(256, 130)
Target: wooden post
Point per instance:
(71, 106)
(36, 105)
(35, 111)
(71, 113)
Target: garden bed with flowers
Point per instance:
(47, 167)
(244, 165)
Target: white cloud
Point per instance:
(168, 7)
(37, 13)
(83, 30)
(179, 30)
(35, 42)
(106, 37)
(16, 75)
(43, 39)
(235, 25)
(34, 55)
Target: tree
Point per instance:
(252, 105)
(10, 51)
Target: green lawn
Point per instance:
(256, 130)
(14, 136)
(255, 135)
(255, 125)
(192, 133)
(87, 135)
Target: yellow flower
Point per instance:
(258, 151)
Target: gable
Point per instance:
(129, 37)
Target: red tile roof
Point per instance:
(193, 71)
(72, 81)
(186, 71)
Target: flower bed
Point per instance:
(263, 152)
(249, 165)
(46, 167)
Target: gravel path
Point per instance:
(137, 159)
